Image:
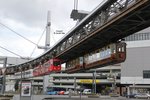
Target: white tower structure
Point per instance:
(47, 39)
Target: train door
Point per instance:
(81, 62)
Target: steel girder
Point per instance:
(110, 21)
(99, 18)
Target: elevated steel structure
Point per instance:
(110, 21)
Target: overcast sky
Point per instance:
(29, 18)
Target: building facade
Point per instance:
(100, 80)
(135, 71)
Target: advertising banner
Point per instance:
(88, 81)
(26, 88)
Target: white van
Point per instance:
(87, 91)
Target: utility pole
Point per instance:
(94, 82)
(75, 84)
(4, 75)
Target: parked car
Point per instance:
(131, 96)
(142, 95)
(87, 91)
(66, 93)
(52, 92)
(61, 92)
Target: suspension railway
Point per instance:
(94, 42)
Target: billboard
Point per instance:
(26, 88)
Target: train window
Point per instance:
(97, 54)
(123, 49)
(100, 53)
(113, 48)
(119, 49)
(56, 63)
(90, 57)
(114, 51)
(68, 64)
(71, 63)
(109, 50)
(103, 53)
(80, 60)
(46, 64)
(85, 58)
(77, 61)
(93, 56)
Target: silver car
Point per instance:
(142, 96)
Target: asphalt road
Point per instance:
(66, 97)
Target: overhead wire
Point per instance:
(11, 51)
(53, 38)
(18, 34)
(38, 42)
(23, 38)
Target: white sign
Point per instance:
(59, 32)
(26, 89)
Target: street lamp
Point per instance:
(75, 85)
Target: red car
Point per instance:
(61, 92)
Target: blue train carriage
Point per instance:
(111, 54)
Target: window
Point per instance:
(139, 36)
(47, 64)
(56, 63)
(146, 74)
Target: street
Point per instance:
(66, 97)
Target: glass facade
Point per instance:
(138, 36)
